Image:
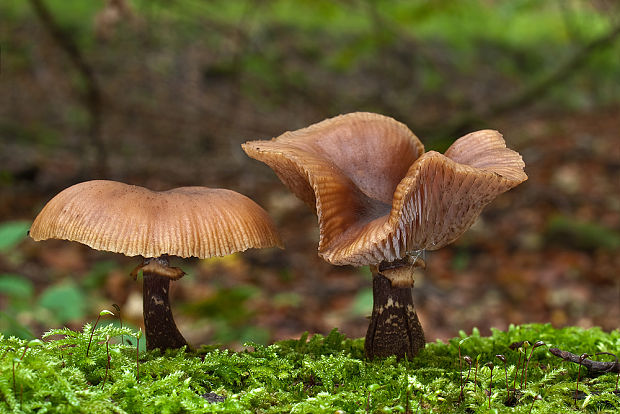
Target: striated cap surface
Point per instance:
(187, 222)
(377, 195)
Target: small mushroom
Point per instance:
(382, 201)
(187, 222)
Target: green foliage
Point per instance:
(362, 304)
(11, 233)
(58, 304)
(227, 310)
(16, 288)
(309, 375)
(581, 234)
(96, 276)
(518, 39)
(18, 291)
(66, 302)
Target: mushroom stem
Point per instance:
(394, 326)
(160, 330)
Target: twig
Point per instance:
(593, 366)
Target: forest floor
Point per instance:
(545, 251)
(175, 105)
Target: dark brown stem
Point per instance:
(460, 374)
(22, 357)
(476, 375)
(107, 367)
(536, 345)
(503, 359)
(514, 383)
(138, 358)
(120, 320)
(14, 389)
(394, 326)
(160, 330)
(581, 358)
(468, 372)
(407, 403)
(491, 366)
(525, 345)
(92, 331)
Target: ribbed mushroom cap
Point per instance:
(377, 196)
(187, 222)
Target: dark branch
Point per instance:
(535, 90)
(593, 366)
(92, 96)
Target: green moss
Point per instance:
(309, 375)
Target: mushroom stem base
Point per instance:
(394, 325)
(160, 329)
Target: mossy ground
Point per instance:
(310, 375)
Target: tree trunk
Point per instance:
(394, 326)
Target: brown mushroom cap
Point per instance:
(377, 196)
(187, 222)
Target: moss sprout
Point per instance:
(313, 374)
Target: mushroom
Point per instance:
(187, 222)
(382, 201)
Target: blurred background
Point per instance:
(161, 93)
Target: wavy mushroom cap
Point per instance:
(377, 195)
(187, 222)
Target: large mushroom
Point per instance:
(187, 222)
(381, 201)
